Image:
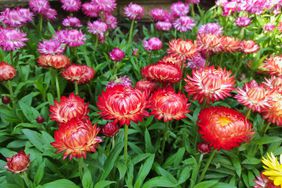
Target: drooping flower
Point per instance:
(71, 22)
(210, 28)
(184, 23)
(124, 81)
(111, 21)
(18, 163)
(68, 108)
(39, 6)
(122, 104)
(273, 113)
(16, 17)
(72, 38)
(179, 9)
(182, 49)
(146, 86)
(163, 26)
(97, 28)
(197, 61)
(12, 39)
(7, 72)
(51, 47)
(71, 5)
(105, 5)
(90, 9)
(262, 181)
(162, 72)
(110, 129)
(249, 46)
(224, 128)
(167, 105)
(273, 83)
(117, 55)
(76, 138)
(254, 96)
(273, 169)
(273, 65)
(209, 84)
(55, 61)
(243, 21)
(152, 44)
(78, 73)
(159, 14)
(209, 43)
(134, 11)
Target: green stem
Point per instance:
(266, 128)
(11, 57)
(40, 24)
(26, 179)
(10, 87)
(166, 137)
(81, 167)
(57, 86)
(248, 114)
(76, 88)
(192, 10)
(113, 142)
(131, 32)
(207, 165)
(95, 48)
(125, 142)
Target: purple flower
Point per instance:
(163, 26)
(153, 44)
(184, 23)
(39, 6)
(229, 8)
(124, 80)
(179, 9)
(90, 9)
(111, 21)
(243, 21)
(50, 14)
(72, 38)
(12, 39)
(159, 14)
(117, 55)
(210, 28)
(71, 5)
(105, 5)
(51, 47)
(197, 61)
(16, 17)
(192, 1)
(269, 27)
(97, 28)
(71, 22)
(134, 11)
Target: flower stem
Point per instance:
(266, 128)
(10, 87)
(95, 48)
(11, 57)
(57, 86)
(40, 24)
(207, 165)
(81, 167)
(76, 88)
(166, 136)
(248, 114)
(125, 142)
(131, 32)
(26, 179)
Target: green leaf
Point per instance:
(144, 171)
(61, 183)
(103, 183)
(148, 143)
(29, 112)
(267, 140)
(159, 181)
(87, 181)
(39, 173)
(206, 184)
(35, 138)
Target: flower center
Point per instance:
(223, 121)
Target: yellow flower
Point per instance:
(273, 168)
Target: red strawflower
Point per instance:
(122, 104)
(162, 72)
(167, 105)
(209, 43)
(78, 73)
(203, 148)
(56, 61)
(273, 65)
(182, 49)
(18, 163)
(249, 46)
(146, 86)
(68, 108)
(273, 113)
(209, 84)
(76, 138)
(224, 128)
(7, 72)
(110, 129)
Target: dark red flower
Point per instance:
(18, 163)
(7, 72)
(6, 100)
(78, 73)
(40, 119)
(203, 148)
(146, 86)
(110, 129)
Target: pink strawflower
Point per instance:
(163, 26)
(179, 9)
(51, 47)
(39, 6)
(196, 62)
(124, 81)
(72, 38)
(111, 21)
(12, 39)
(192, 1)
(243, 21)
(229, 8)
(269, 27)
(97, 28)
(105, 5)
(50, 14)
(211, 28)
(90, 9)
(262, 181)
(134, 11)
(71, 5)
(153, 44)
(159, 14)
(16, 17)
(71, 22)
(117, 54)
(221, 3)
(184, 23)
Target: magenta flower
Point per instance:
(12, 39)
(221, 3)
(210, 28)
(16, 17)
(111, 21)
(134, 11)
(124, 81)
(184, 23)
(39, 6)
(229, 8)
(72, 38)
(71, 5)
(105, 5)
(97, 28)
(117, 55)
(179, 9)
(269, 27)
(243, 21)
(159, 14)
(50, 14)
(71, 22)
(196, 62)
(163, 26)
(51, 47)
(192, 1)
(90, 9)
(153, 44)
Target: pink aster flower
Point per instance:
(117, 54)
(51, 47)
(134, 11)
(163, 26)
(50, 14)
(184, 23)
(243, 21)
(179, 9)
(105, 5)
(71, 5)
(97, 28)
(71, 22)
(111, 21)
(269, 27)
(12, 39)
(39, 6)
(16, 17)
(153, 44)
(159, 14)
(72, 38)
(124, 81)
(210, 28)
(196, 62)
(90, 9)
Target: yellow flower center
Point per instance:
(223, 121)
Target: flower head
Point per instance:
(117, 55)
(163, 26)
(68, 108)
(90, 9)
(16, 17)
(167, 105)
(262, 181)
(7, 72)
(122, 104)
(50, 14)
(269, 27)
(249, 46)
(134, 11)
(159, 14)
(273, 83)
(209, 43)
(76, 138)
(273, 113)
(182, 49)
(243, 21)
(179, 9)
(230, 44)
(18, 163)
(97, 28)
(51, 47)
(210, 28)
(110, 129)
(105, 5)
(39, 6)
(78, 73)
(209, 84)
(72, 38)
(153, 44)
(203, 148)
(111, 21)
(71, 5)
(124, 81)
(224, 128)
(273, 65)
(12, 39)
(146, 86)
(71, 22)
(184, 23)
(172, 60)
(273, 169)
(197, 61)
(54, 61)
